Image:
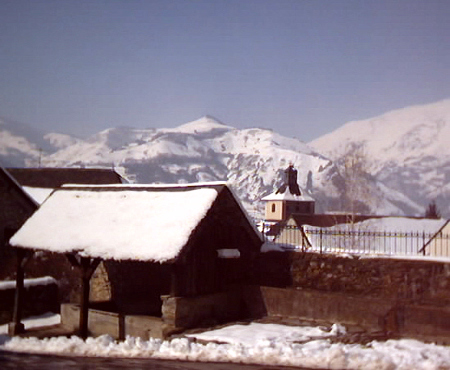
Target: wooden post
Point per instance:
(87, 267)
(175, 283)
(16, 327)
(85, 289)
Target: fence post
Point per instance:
(423, 243)
(320, 238)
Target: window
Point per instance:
(273, 207)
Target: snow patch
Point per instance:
(265, 344)
(46, 280)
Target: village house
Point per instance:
(293, 224)
(162, 258)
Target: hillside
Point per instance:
(406, 150)
(251, 160)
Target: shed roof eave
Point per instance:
(92, 236)
(83, 253)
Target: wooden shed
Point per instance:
(177, 252)
(22, 190)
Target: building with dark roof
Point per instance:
(56, 177)
(288, 199)
(176, 254)
(18, 202)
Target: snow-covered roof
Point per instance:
(287, 195)
(151, 186)
(38, 194)
(147, 223)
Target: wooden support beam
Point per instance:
(87, 267)
(175, 281)
(16, 327)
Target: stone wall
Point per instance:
(404, 297)
(205, 310)
(114, 324)
(427, 322)
(178, 314)
(419, 281)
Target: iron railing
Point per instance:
(361, 242)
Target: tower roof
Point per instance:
(289, 189)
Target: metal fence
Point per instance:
(362, 242)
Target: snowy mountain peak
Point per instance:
(202, 125)
(60, 141)
(405, 149)
(396, 135)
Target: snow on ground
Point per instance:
(254, 333)
(46, 319)
(266, 344)
(387, 235)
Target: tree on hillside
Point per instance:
(357, 194)
(432, 211)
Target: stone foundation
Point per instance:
(115, 324)
(206, 310)
(179, 313)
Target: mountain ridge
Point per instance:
(406, 149)
(252, 160)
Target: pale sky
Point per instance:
(300, 67)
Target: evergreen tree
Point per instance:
(432, 211)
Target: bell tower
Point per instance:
(288, 199)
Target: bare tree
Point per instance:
(357, 192)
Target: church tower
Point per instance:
(288, 199)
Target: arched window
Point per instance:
(273, 207)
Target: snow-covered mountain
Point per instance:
(60, 141)
(406, 150)
(251, 160)
(24, 146)
(19, 144)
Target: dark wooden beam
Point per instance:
(16, 327)
(74, 259)
(87, 266)
(176, 280)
